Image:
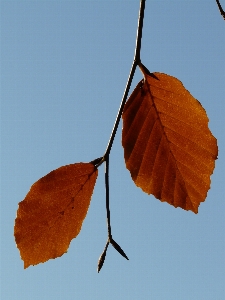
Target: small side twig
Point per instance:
(110, 239)
(221, 9)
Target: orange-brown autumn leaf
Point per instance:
(168, 147)
(52, 212)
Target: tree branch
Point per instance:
(131, 75)
(105, 158)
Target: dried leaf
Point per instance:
(52, 212)
(168, 147)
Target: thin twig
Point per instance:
(137, 56)
(107, 196)
(105, 158)
(131, 75)
(221, 9)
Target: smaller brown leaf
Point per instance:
(52, 213)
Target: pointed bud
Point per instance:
(102, 258)
(118, 248)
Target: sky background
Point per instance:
(64, 67)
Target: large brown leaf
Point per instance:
(168, 147)
(52, 212)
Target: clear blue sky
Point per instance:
(64, 66)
